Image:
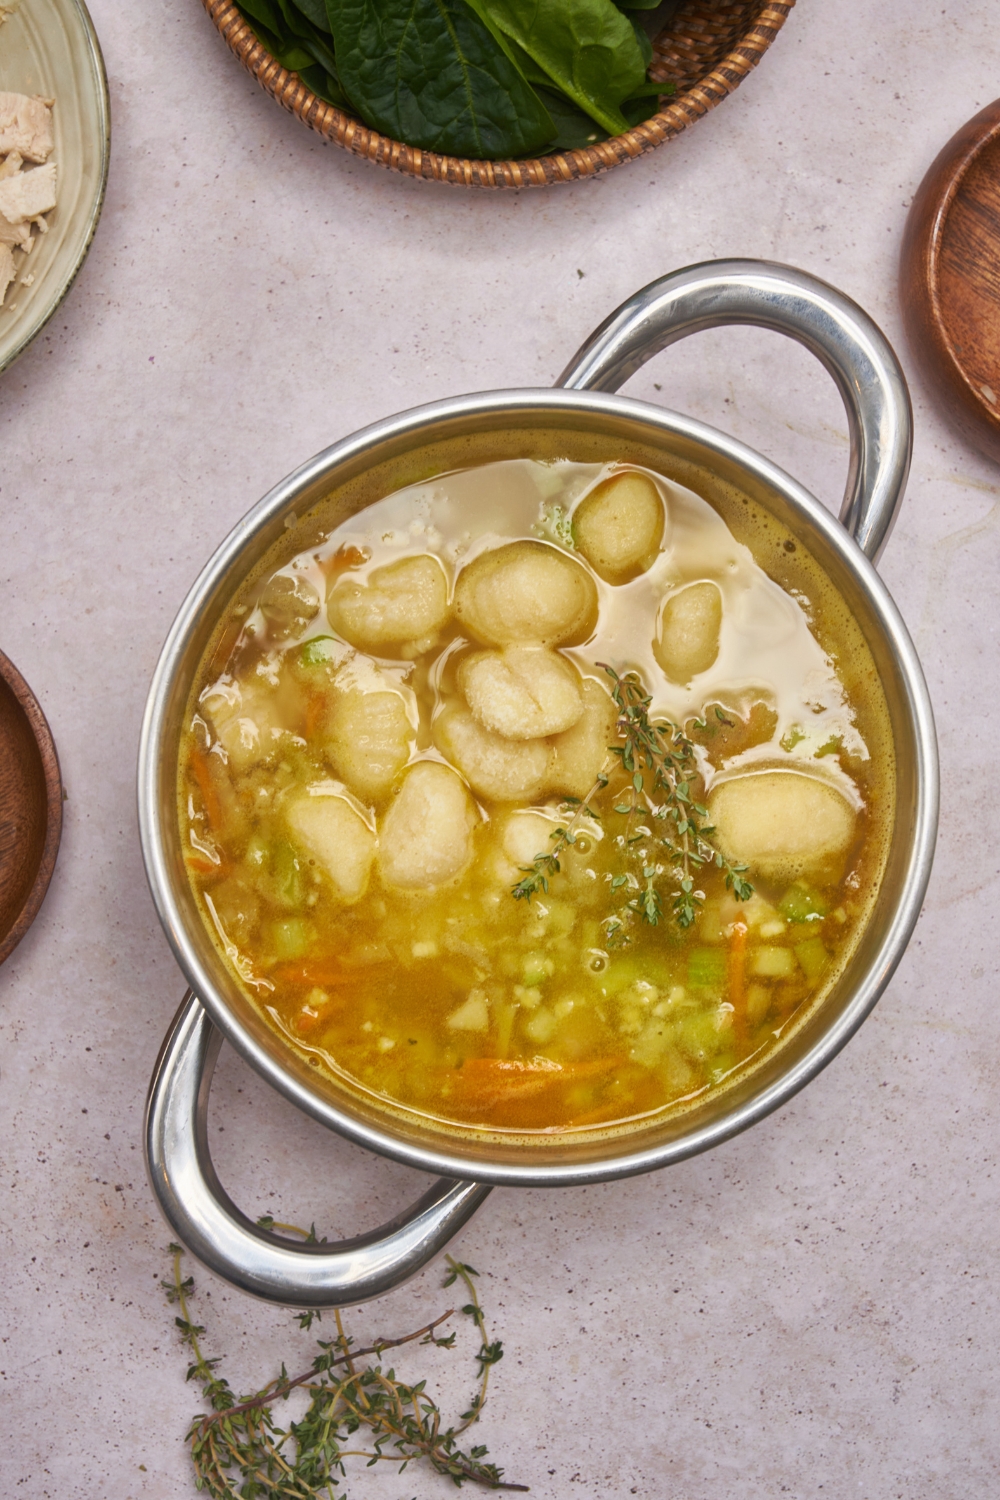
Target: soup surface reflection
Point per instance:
(528, 800)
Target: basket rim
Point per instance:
(342, 129)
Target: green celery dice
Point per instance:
(707, 968)
(286, 875)
(813, 957)
(322, 648)
(292, 938)
(801, 904)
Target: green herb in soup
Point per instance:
(528, 801)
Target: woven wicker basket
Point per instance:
(706, 51)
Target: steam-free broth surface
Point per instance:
(528, 801)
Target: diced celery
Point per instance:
(724, 1063)
(758, 1003)
(286, 875)
(699, 1036)
(535, 968)
(707, 969)
(772, 962)
(320, 649)
(802, 904)
(812, 955)
(620, 973)
(292, 938)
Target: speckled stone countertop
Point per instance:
(810, 1309)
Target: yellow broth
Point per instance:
(455, 1000)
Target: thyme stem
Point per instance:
(282, 1387)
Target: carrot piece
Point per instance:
(314, 713)
(492, 1079)
(345, 557)
(500, 1067)
(208, 789)
(737, 965)
(604, 1114)
(202, 866)
(326, 973)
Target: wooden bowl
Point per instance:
(950, 279)
(31, 799)
(706, 51)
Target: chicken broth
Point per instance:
(528, 801)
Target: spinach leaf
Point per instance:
(315, 12)
(286, 49)
(587, 47)
(574, 129)
(324, 85)
(430, 73)
(642, 41)
(641, 107)
(305, 33)
(264, 13)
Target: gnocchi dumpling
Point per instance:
(368, 739)
(426, 836)
(687, 637)
(783, 823)
(498, 769)
(580, 752)
(334, 835)
(524, 834)
(521, 692)
(402, 601)
(250, 720)
(526, 592)
(619, 526)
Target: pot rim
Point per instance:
(534, 403)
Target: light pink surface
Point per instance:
(811, 1309)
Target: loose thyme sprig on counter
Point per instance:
(660, 761)
(240, 1453)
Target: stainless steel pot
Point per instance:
(583, 410)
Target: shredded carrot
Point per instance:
(326, 973)
(738, 979)
(307, 1020)
(602, 1115)
(501, 1067)
(314, 712)
(203, 866)
(209, 791)
(486, 1079)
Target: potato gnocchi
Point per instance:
(416, 705)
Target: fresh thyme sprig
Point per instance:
(240, 1453)
(660, 763)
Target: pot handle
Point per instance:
(203, 1216)
(835, 329)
